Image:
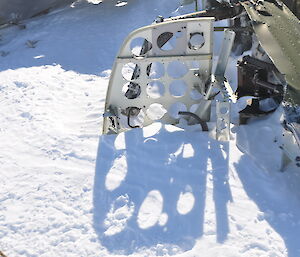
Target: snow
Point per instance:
(66, 190)
(213, 196)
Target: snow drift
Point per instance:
(156, 191)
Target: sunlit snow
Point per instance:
(67, 190)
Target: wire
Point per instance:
(129, 114)
(196, 117)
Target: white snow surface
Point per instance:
(66, 190)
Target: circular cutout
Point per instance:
(155, 70)
(177, 69)
(131, 90)
(195, 95)
(224, 110)
(196, 41)
(175, 108)
(178, 88)
(166, 41)
(130, 71)
(156, 111)
(140, 46)
(137, 118)
(155, 89)
(222, 124)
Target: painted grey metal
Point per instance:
(17, 10)
(225, 52)
(223, 108)
(290, 145)
(204, 109)
(278, 31)
(223, 111)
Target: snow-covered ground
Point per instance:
(155, 191)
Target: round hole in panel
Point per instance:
(155, 89)
(175, 108)
(137, 117)
(195, 95)
(166, 41)
(196, 41)
(131, 90)
(222, 124)
(156, 111)
(224, 110)
(177, 88)
(130, 71)
(155, 70)
(140, 46)
(177, 69)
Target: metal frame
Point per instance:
(223, 108)
(117, 104)
(278, 32)
(290, 145)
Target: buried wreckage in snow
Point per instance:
(164, 71)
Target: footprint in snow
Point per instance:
(120, 212)
(117, 173)
(4, 53)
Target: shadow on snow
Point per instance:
(272, 192)
(159, 163)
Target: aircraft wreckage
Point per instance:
(163, 72)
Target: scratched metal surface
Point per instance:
(278, 31)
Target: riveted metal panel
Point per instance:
(278, 31)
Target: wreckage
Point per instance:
(164, 72)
